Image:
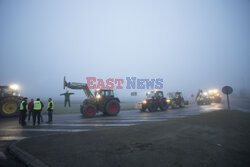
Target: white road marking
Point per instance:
(119, 120)
(94, 124)
(8, 138)
(79, 125)
(46, 130)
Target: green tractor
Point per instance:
(103, 100)
(175, 99)
(9, 100)
(155, 99)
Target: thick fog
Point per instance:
(190, 44)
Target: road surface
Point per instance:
(11, 131)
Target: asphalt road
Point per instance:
(11, 131)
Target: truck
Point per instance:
(214, 95)
(9, 100)
(154, 99)
(202, 98)
(103, 100)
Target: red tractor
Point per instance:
(155, 99)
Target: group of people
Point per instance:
(34, 109)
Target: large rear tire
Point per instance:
(152, 107)
(112, 108)
(143, 109)
(88, 111)
(163, 105)
(9, 106)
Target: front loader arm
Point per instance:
(76, 85)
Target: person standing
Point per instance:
(23, 110)
(41, 114)
(66, 98)
(37, 111)
(50, 108)
(30, 107)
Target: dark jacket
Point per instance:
(31, 105)
(42, 105)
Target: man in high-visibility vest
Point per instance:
(23, 110)
(37, 111)
(50, 108)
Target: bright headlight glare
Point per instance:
(215, 91)
(98, 96)
(168, 100)
(144, 101)
(14, 87)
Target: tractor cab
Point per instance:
(173, 95)
(154, 94)
(9, 91)
(100, 93)
(178, 95)
(175, 99)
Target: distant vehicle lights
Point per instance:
(213, 91)
(205, 93)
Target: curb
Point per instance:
(25, 157)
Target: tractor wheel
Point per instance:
(163, 105)
(182, 104)
(152, 107)
(143, 109)
(112, 108)
(9, 107)
(174, 105)
(88, 111)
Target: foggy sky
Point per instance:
(190, 44)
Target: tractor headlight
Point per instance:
(215, 91)
(168, 100)
(14, 87)
(98, 96)
(144, 101)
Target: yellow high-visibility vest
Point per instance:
(21, 105)
(37, 105)
(52, 107)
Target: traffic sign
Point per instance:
(227, 90)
